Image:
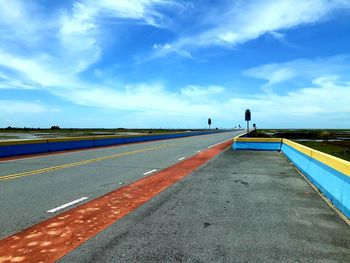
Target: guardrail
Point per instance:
(24, 147)
(331, 175)
(263, 144)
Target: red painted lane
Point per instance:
(53, 238)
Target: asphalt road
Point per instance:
(242, 206)
(32, 186)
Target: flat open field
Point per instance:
(334, 142)
(339, 149)
(28, 133)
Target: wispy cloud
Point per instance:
(237, 22)
(160, 50)
(324, 95)
(74, 35)
(195, 92)
(301, 69)
(149, 98)
(13, 107)
(53, 52)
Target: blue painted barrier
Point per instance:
(300, 160)
(331, 175)
(108, 141)
(24, 147)
(69, 144)
(257, 144)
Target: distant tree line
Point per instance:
(9, 128)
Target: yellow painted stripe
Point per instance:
(68, 139)
(237, 137)
(101, 137)
(301, 148)
(69, 165)
(15, 142)
(258, 139)
(336, 163)
(97, 137)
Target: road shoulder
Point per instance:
(241, 207)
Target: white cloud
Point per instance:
(322, 97)
(87, 15)
(195, 92)
(242, 21)
(81, 27)
(15, 19)
(306, 107)
(135, 9)
(51, 51)
(141, 98)
(57, 71)
(326, 96)
(7, 82)
(302, 69)
(161, 50)
(13, 107)
(29, 69)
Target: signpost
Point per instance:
(247, 118)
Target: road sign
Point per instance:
(247, 115)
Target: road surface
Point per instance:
(32, 186)
(243, 206)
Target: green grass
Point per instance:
(317, 134)
(339, 149)
(89, 131)
(8, 137)
(32, 133)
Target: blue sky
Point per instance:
(173, 64)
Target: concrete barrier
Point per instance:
(63, 144)
(12, 148)
(331, 175)
(260, 144)
(24, 147)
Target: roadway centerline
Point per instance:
(74, 164)
(66, 205)
(149, 172)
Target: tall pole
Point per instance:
(247, 118)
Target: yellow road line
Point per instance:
(69, 165)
